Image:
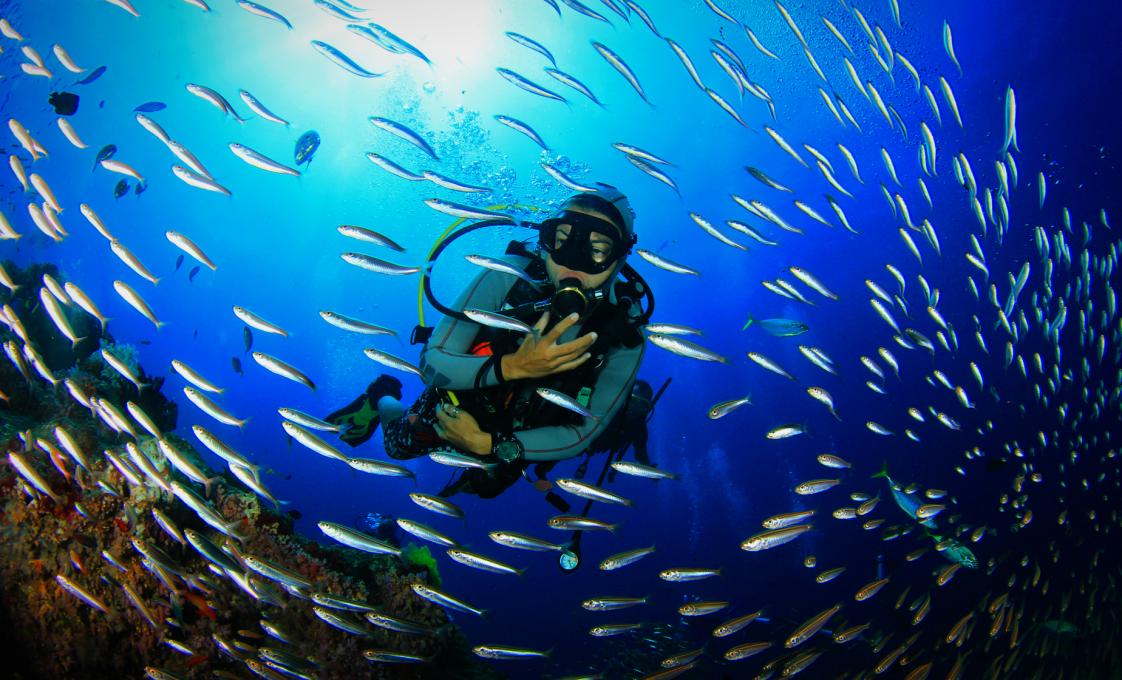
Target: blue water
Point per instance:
(278, 253)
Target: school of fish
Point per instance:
(1043, 325)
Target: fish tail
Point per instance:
(883, 471)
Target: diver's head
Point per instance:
(589, 238)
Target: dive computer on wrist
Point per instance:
(506, 447)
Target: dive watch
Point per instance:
(506, 447)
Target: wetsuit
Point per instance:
(465, 357)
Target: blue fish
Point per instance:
(121, 189)
(151, 107)
(955, 551)
(909, 503)
(106, 151)
(97, 73)
(306, 147)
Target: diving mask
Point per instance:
(575, 248)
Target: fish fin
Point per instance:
(207, 482)
(77, 340)
(883, 471)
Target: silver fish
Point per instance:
(464, 211)
(392, 361)
(564, 401)
(618, 64)
(342, 60)
(357, 539)
(725, 407)
(265, 12)
(354, 325)
(532, 44)
(685, 348)
(283, 369)
(528, 85)
(519, 126)
(404, 132)
(591, 492)
(377, 265)
(260, 160)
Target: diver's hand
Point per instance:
(541, 355)
(460, 429)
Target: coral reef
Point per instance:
(100, 576)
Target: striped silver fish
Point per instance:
(564, 401)
(685, 348)
(403, 132)
(464, 211)
(591, 492)
(378, 467)
(528, 85)
(496, 320)
(392, 361)
(437, 504)
(523, 542)
(283, 369)
(312, 441)
(393, 168)
(378, 266)
(482, 562)
(301, 418)
(198, 181)
(444, 600)
(354, 325)
(620, 65)
(357, 539)
(212, 409)
(261, 161)
(519, 126)
(425, 532)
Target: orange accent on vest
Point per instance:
(482, 349)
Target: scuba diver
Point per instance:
(509, 399)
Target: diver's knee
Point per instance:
(389, 409)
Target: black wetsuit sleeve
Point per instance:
(446, 361)
(609, 394)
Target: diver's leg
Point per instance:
(389, 409)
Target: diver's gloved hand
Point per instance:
(541, 355)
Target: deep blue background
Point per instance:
(277, 251)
